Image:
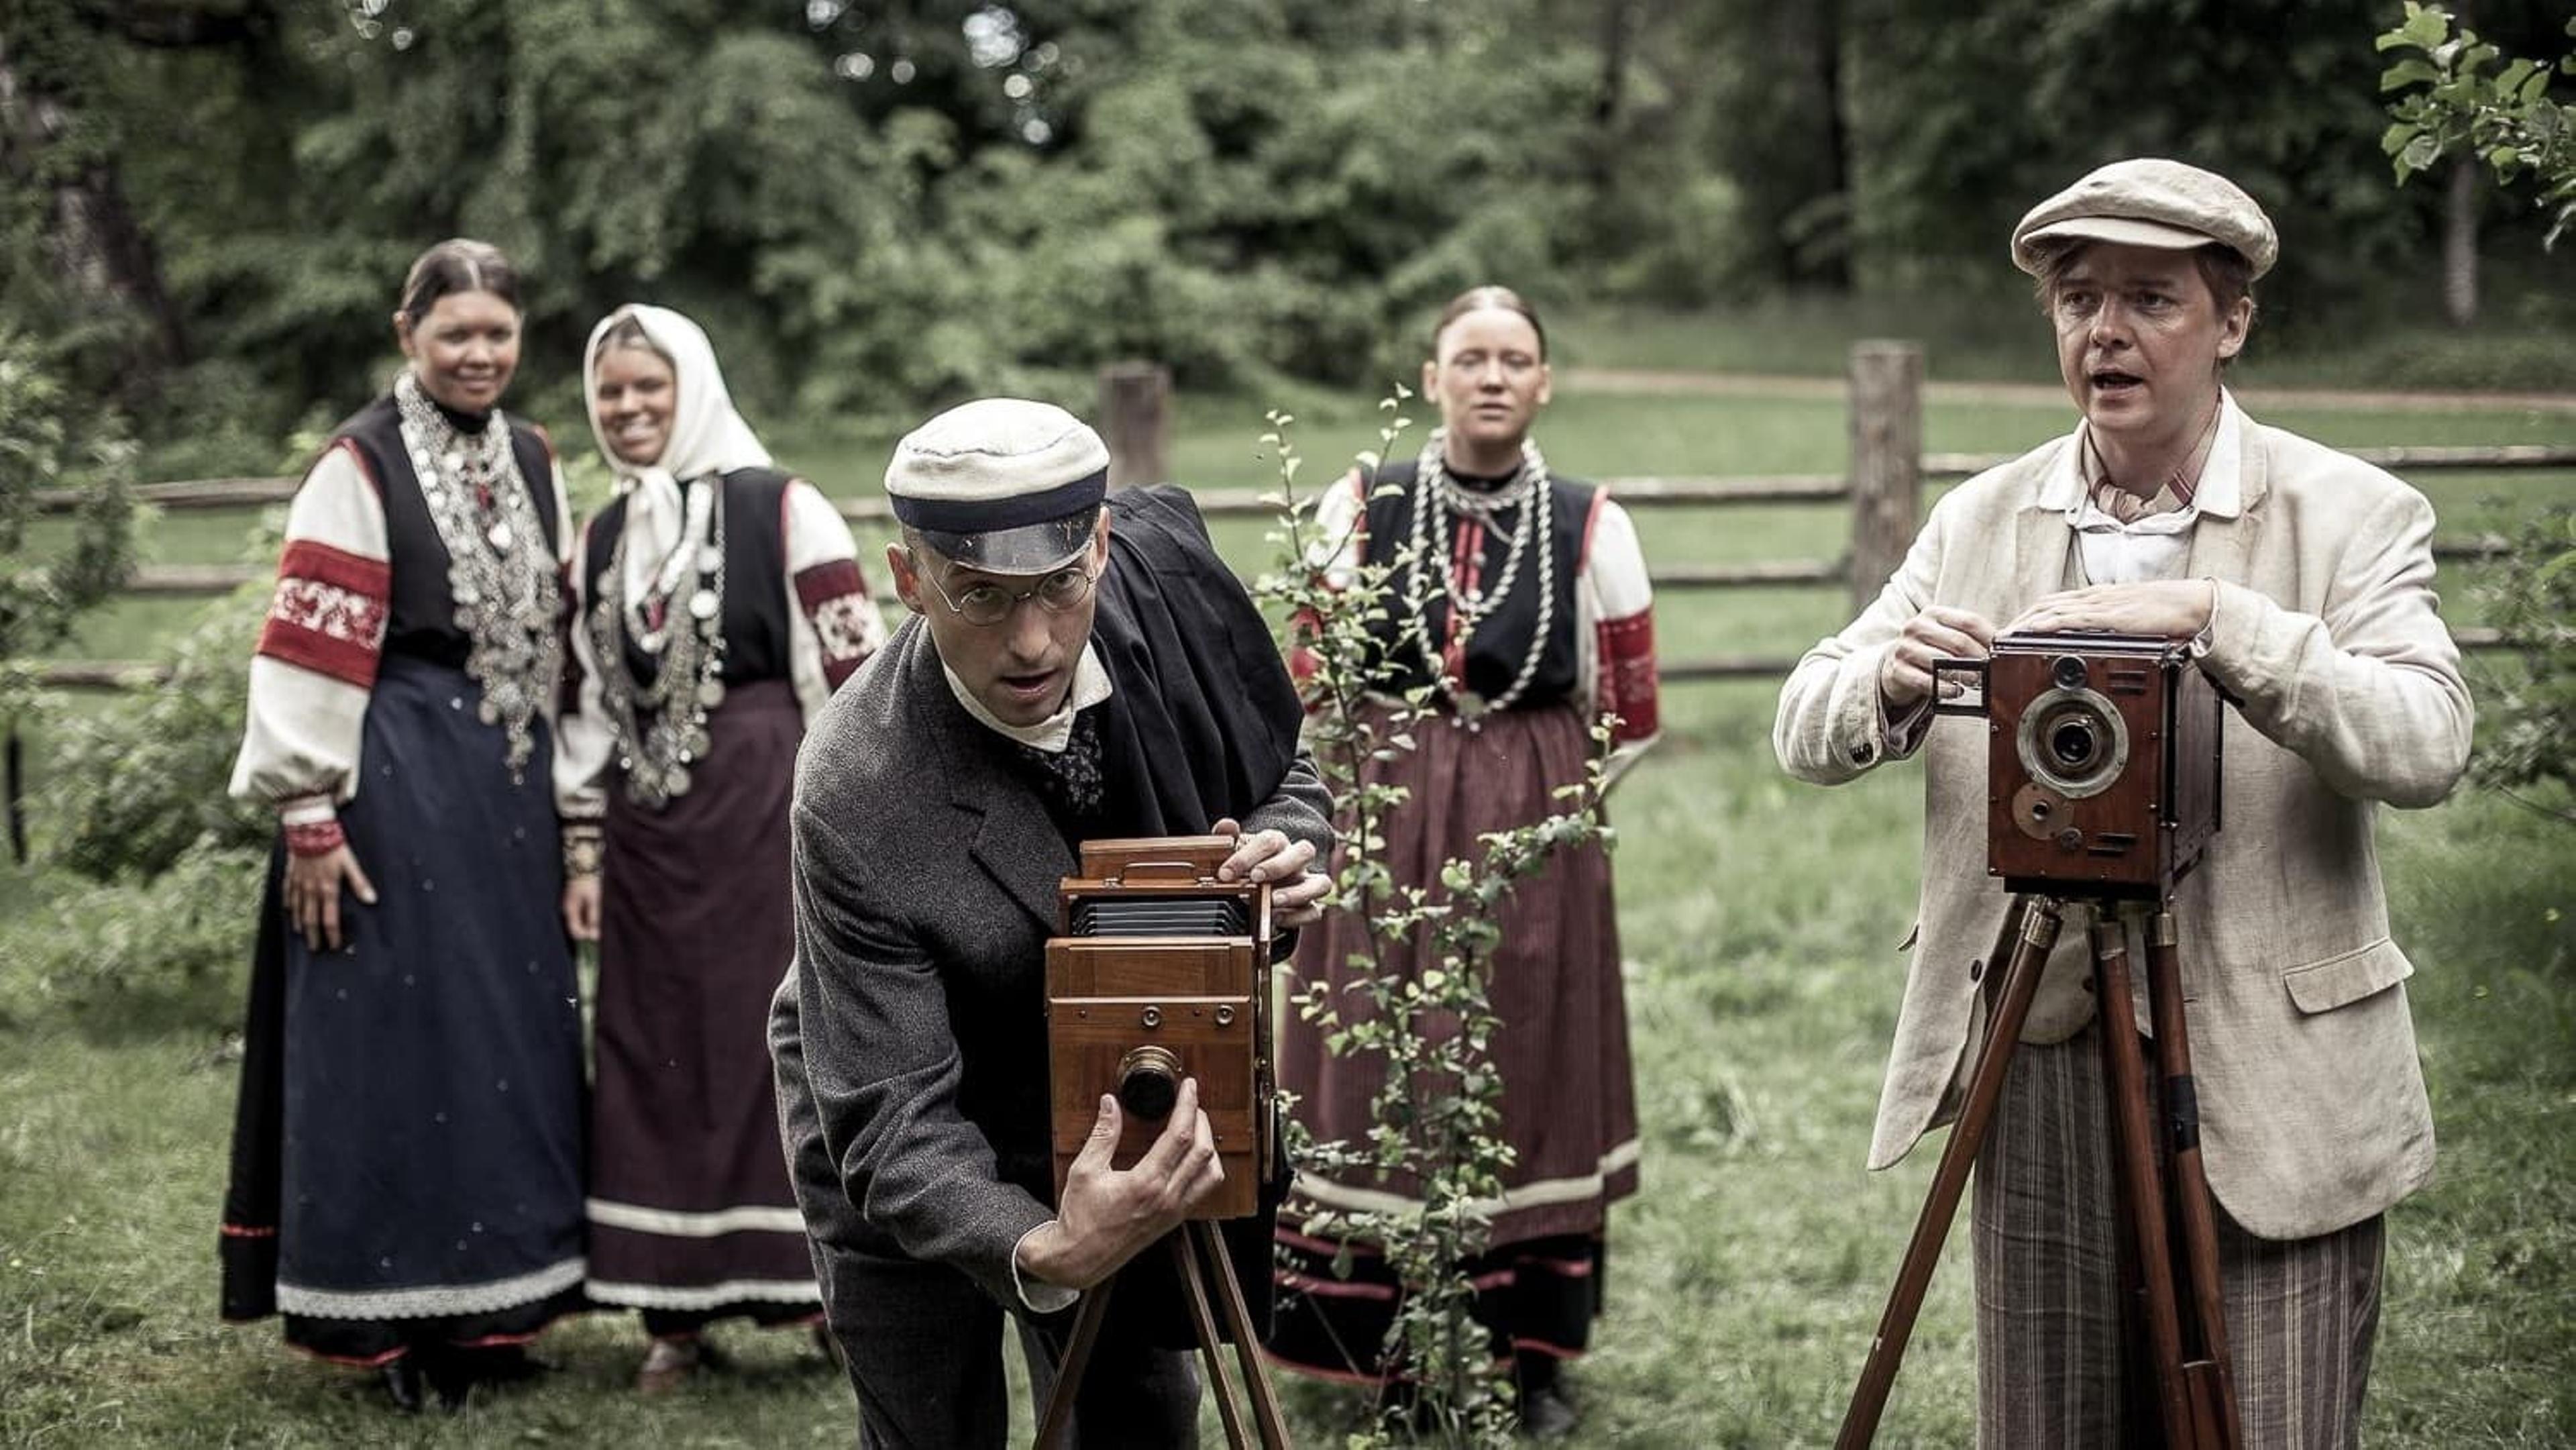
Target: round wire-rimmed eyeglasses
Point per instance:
(986, 605)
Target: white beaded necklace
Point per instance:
(1437, 499)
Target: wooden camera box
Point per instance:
(1162, 972)
(2102, 761)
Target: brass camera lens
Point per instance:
(2068, 672)
(2073, 741)
(1149, 1082)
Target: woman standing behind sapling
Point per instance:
(1525, 608)
(406, 1174)
(718, 604)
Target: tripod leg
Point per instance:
(1211, 1349)
(1055, 1428)
(2030, 929)
(2207, 1372)
(1266, 1419)
(2133, 1149)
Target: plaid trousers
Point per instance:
(2054, 1364)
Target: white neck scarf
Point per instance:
(707, 436)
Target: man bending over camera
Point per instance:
(1075, 670)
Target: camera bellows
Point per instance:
(1185, 916)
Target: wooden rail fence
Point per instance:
(1883, 492)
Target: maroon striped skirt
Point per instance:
(690, 1208)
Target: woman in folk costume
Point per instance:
(718, 604)
(406, 1173)
(1529, 614)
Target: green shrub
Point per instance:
(135, 786)
(178, 937)
(2531, 734)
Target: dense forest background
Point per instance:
(880, 205)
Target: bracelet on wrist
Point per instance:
(315, 838)
(584, 847)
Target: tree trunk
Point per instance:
(1618, 29)
(2460, 243)
(99, 252)
(1834, 265)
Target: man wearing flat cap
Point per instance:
(1079, 666)
(2302, 580)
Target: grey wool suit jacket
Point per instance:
(2348, 695)
(910, 1035)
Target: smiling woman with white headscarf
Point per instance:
(718, 603)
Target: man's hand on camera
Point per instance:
(1107, 1215)
(1296, 893)
(2167, 609)
(1938, 633)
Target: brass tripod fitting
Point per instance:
(2039, 925)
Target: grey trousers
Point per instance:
(924, 1346)
(2054, 1366)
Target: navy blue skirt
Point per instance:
(407, 1155)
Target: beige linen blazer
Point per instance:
(2348, 694)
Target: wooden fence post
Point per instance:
(1886, 461)
(1136, 422)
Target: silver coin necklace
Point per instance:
(661, 725)
(500, 574)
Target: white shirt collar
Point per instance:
(1090, 687)
(2220, 493)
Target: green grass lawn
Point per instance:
(1760, 921)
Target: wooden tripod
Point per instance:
(2195, 1400)
(1190, 1244)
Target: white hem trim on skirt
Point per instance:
(712, 1296)
(434, 1302)
(674, 1223)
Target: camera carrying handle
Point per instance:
(1159, 871)
(1943, 670)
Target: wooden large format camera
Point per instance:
(2102, 763)
(1162, 972)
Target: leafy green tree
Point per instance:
(879, 206)
(1416, 1008)
(2474, 100)
(1970, 113)
(2458, 93)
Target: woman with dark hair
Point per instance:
(718, 602)
(406, 1174)
(1520, 600)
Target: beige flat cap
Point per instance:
(2148, 201)
(1001, 484)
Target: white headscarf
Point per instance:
(707, 436)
